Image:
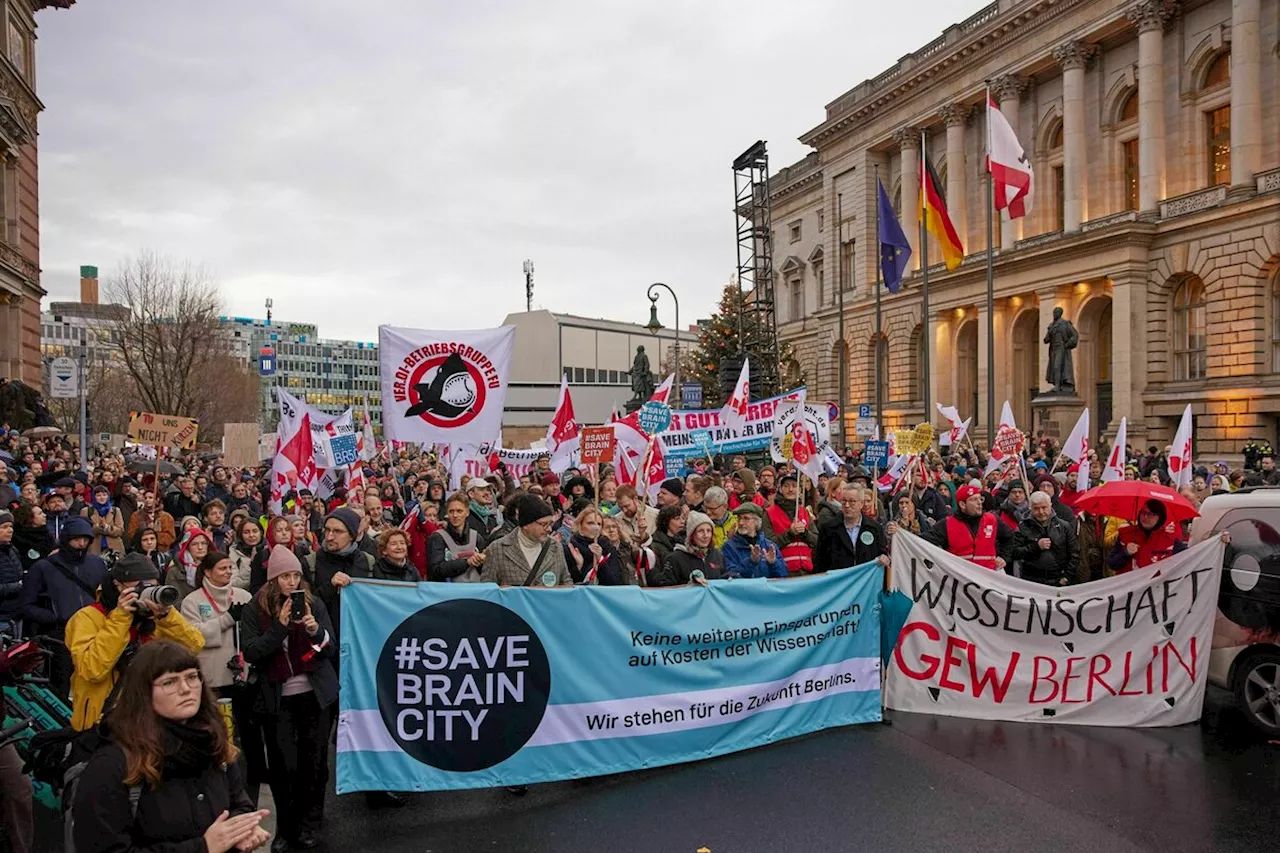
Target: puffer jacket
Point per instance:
(97, 638)
(52, 578)
(10, 582)
(1057, 566)
(680, 566)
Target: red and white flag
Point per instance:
(734, 413)
(1009, 166)
(1076, 447)
(959, 428)
(1180, 455)
(294, 466)
(997, 457)
(563, 432)
(1115, 461)
(650, 480)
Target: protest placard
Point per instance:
(597, 445)
(240, 445)
(163, 430)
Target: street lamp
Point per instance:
(655, 325)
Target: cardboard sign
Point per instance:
(1009, 440)
(163, 430)
(596, 445)
(240, 445)
(914, 441)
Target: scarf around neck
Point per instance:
(479, 509)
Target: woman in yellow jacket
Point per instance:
(104, 636)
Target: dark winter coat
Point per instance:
(33, 544)
(663, 544)
(1058, 565)
(261, 646)
(384, 569)
(682, 563)
(258, 567)
(49, 578)
(170, 819)
(10, 582)
(835, 551)
(443, 564)
(357, 564)
(930, 504)
(610, 572)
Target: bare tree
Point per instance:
(170, 331)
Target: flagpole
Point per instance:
(927, 367)
(844, 355)
(879, 330)
(991, 280)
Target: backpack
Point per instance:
(58, 758)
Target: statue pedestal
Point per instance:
(1056, 413)
(633, 405)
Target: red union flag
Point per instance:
(734, 413)
(444, 387)
(294, 465)
(562, 432)
(1010, 169)
(1115, 460)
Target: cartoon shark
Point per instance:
(429, 393)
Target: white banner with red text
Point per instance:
(1130, 650)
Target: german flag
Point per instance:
(933, 212)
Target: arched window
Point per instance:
(1055, 138)
(1189, 332)
(1129, 111)
(1218, 72)
(1129, 152)
(1059, 178)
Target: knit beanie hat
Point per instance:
(347, 518)
(134, 567)
(281, 561)
(530, 508)
(694, 521)
(673, 486)
(6, 517)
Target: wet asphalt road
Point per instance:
(922, 784)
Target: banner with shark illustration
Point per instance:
(445, 387)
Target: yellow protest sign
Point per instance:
(163, 430)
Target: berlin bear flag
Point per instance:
(444, 387)
(1129, 650)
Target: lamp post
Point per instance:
(655, 325)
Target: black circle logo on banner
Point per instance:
(463, 684)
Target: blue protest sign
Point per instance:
(703, 441)
(344, 449)
(654, 417)
(475, 686)
(875, 453)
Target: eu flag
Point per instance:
(895, 251)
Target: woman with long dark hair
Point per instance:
(293, 652)
(168, 777)
(247, 547)
(279, 532)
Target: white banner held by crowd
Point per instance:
(1130, 650)
(444, 387)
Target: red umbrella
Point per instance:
(1123, 499)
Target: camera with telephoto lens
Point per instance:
(162, 595)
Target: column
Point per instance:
(1007, 90)
(908, 139)
(1073, 57)
(1246, 92)
(956, 116)
(1150, 16)
(1129, 359)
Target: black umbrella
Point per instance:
(148, 466)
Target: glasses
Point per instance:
(545, 524)
(172, 683)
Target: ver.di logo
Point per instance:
(463, 684)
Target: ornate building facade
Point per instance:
(1154, 131)
(20, 290)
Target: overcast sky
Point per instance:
(397, 160)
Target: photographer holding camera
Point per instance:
(132, 609)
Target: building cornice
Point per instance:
(960, 46)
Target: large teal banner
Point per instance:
(471, 686)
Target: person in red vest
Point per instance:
(792, 528)
(980, 537)
(1148, 541)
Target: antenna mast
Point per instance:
(528, 285)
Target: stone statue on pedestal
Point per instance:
(642, 383)
(1062, 338)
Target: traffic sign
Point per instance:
(654, 417)
(833, 413)
(64, 379)
(864, 410)
(691, 395)
(864, 427)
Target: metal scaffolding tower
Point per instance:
(755, 265)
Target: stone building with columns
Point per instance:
(1153, 128)
(20, 290)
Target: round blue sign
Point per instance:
(654, 417)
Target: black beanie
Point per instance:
(134, 567)
(674, 486)
(530, 508)
(347, 518)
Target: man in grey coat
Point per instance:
(509, 561)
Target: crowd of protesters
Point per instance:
(171, 599)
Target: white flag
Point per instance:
(294, 465)
(1115, 461)
(1076, 447)
(997, 459)
(958, 428)
(1009, 165)
(444, 387)
(734, 413)
(1180, 455)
